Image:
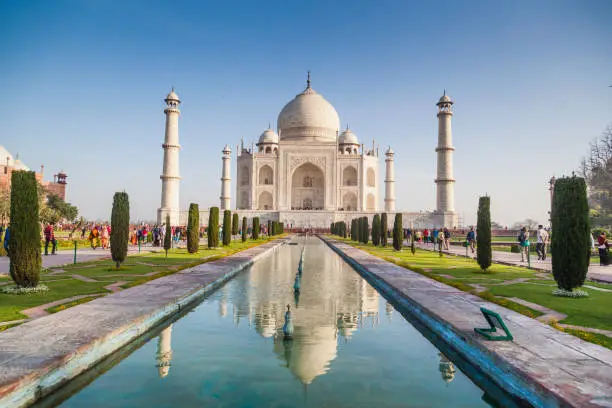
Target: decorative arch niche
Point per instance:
(266, 175)
(308, 188)
(349, 176)
(370, 202)
(371, 177)
(265, 201)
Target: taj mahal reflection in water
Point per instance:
(333, 304)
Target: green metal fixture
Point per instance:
(496, 323)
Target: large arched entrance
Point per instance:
(349, 202)
(308, 188)
(265, 201)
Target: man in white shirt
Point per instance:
(542, 240)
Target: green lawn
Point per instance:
(594, 311)
(154, 265)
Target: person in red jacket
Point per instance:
(50, 238)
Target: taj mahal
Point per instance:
(308, 173)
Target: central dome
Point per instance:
(309, 116)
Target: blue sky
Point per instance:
(84, 83)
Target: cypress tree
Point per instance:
(398, 233)
(213, 227)
(167, 236)
(570, 235)
(24, 242)
(483, 233)
(120, 227)
(244, 229)
(235, 222)
(376, 230)
(227, 227)
(344, 229)
(366, 230)
(193, 229)
(353, 230)
(255, 234)
(383, 230)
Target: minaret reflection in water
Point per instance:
(333, 300)
(164, 351)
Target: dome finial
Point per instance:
(308, 80)
(444, 92)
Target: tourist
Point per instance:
(541, 242)
(523, 239)
(93, 237)
(603, 246)
(83, 231)
(471, 239)
(7, 237)
(447, 237)
(426, 235)
(50, 238)
(104, 234)
(434, 235)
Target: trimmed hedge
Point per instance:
(484, 256)
(193, 229)
(398, 232)
(383, 230)
(235, 222)
(571, 244)
(256, 227)
(213, 227)
(167, 236)
(24, 241)
(120, 227)
(227, 227)
(376, 230)
(244, 229)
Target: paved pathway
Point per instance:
(543, 365)
(596, 272)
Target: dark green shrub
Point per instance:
(376, 230)
(571, 228)
(269, 227)
(256, 227)
(167, 236)
(244, 229)
(213, 227)
(484, 256)
(398, 232)
(24, 241)
(193, 229)
(354, 229)
(235, 222)
(227, 227)
(120, 227)
(366, 230)
(383, 230)
(514, 248)
(412, 245)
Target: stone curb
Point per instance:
(23, 383)
(491, 360)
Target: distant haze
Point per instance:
(84, 83)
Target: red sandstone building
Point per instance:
(8, 164)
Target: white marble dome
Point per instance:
(172, 96)
(348, 137)
(309, 116)
(268, 136)
(445, 99)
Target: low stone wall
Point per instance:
(38, 357)
(542, 367)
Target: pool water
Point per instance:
(350, 348)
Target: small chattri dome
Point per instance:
(172, 96)
(445, 99)
(348, 137)
(389, 151)
(268, 136)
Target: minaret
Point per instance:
(226, 179)
(164, 351)
(445, 196)
(389, 182)
(170, 177)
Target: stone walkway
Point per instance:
(543, 366)
(40, 355)
(596, 272)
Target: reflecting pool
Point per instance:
(350, 348)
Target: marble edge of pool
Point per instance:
(542, 366)
(40, 356)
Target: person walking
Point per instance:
(104, 234)
(7, 238)
(523, 239)
(541, 242)
(471, 239)
(603, 245)
(50, 238)
(93, 237)
(447, 237)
